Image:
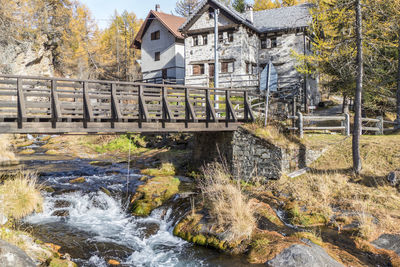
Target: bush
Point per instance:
(228, 205)
(5, 149)
(20, 196)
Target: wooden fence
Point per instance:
(378, 124)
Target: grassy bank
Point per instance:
(20, 196)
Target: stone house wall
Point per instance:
(243, 49)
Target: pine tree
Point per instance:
(185, 8)
(239, 5)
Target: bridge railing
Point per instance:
(53, 102)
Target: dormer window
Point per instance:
(205, 39)
(157, 56)
(155, 35)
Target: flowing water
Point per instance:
(93, 226)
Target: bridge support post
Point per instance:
(21, 103)
(87, 106)
(55, 105)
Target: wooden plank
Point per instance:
(167, 114)
(230, 112)
(323, 118)
(143, 112)
(331, 128)
(190, 114)
(115, 107)
(87, 105)
(372, 129)
(21, 103)
(210, 111)
(248, 113)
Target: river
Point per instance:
(93, 226)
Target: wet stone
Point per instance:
(60, 213)
(61, 204)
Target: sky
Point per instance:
(102, 10)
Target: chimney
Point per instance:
(249, 13)
(158, 8)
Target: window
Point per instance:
(157, 56)
(220, 37)
(264, 43)
(155, 35)
(195, 40)
(251, 68)
(205, 39)
(230, 37)
(274, 42)
(226, 67)
(271, 42)
(198, 69)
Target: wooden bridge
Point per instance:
(55, 105)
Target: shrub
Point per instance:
(20, 196)
(5, 149)
(228, 205)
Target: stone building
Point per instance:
(162, 48)
(247, 42)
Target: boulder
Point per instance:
(307, 255)
(388, 241)
(394, 178)
(11, 256)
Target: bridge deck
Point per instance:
(54, 105)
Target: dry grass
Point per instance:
(228, 205)
(6, 153)
(20, 196)
(331, 187)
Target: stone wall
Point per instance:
(249, 155)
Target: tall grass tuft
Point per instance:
(6, 153)
(20, 196)
(228, 206)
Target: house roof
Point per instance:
(171, 22)
(229, 10)
(283, 18)
(263, 21)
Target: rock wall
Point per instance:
(30, 58)
(249, 155)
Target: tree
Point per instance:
(265, 4)
(359, 88)
(292, 2)
(186, 7)
(239, 5)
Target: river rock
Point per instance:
(307, 255)
(60, 213)
(12, 256)
(61, 204)
(393, 178)
(388, 241)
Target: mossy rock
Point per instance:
(266, 245)
(49, 189)
(265, 210)
(24, 144)
(191, 230)
(78, 180)
(27, 152)
(45, 138)
(166, 169)
(153, 193)
(304, 218)
(105, 191)
(56, 262)
(52, 152)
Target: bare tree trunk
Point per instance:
(398, 86)
(359, 86)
